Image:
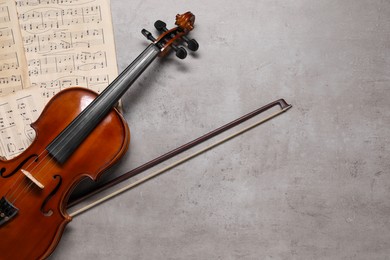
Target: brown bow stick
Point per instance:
(284, 106)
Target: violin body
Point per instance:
(35, 230)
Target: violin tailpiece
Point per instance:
(7, 211)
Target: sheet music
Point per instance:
(66, 43)
(13, 66)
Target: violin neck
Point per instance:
(73, 135)
(111, 95)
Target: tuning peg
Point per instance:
(148, 35)
(160, 26)
(192, 44)
(181, 53)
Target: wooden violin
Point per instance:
(78, 135)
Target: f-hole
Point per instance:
(3, 170)
(49, 212)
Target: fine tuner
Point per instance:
(185, 23)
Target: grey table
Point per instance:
(313, 183)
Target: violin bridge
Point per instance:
(32, 178)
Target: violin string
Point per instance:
(178, 162)
(27, 188)
(20, 189)
(20, 178)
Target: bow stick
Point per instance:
(284, 106)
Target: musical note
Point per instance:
(84, 61)
(42, 20)
(10, 84)
(50, 88)
(49, 2)
(27, 109)
(16, 115)
(4, 14)
(9, 61)
(63, 40)
(6, 38)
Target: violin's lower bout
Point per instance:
(35, 230)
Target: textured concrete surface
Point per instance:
(313, 183)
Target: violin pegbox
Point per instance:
(169, 39)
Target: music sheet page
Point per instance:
(13, 66)
(66, 43)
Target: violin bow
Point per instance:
(283, 105)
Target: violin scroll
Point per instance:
(185, 21)
(169, 38)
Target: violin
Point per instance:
(78, 135)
